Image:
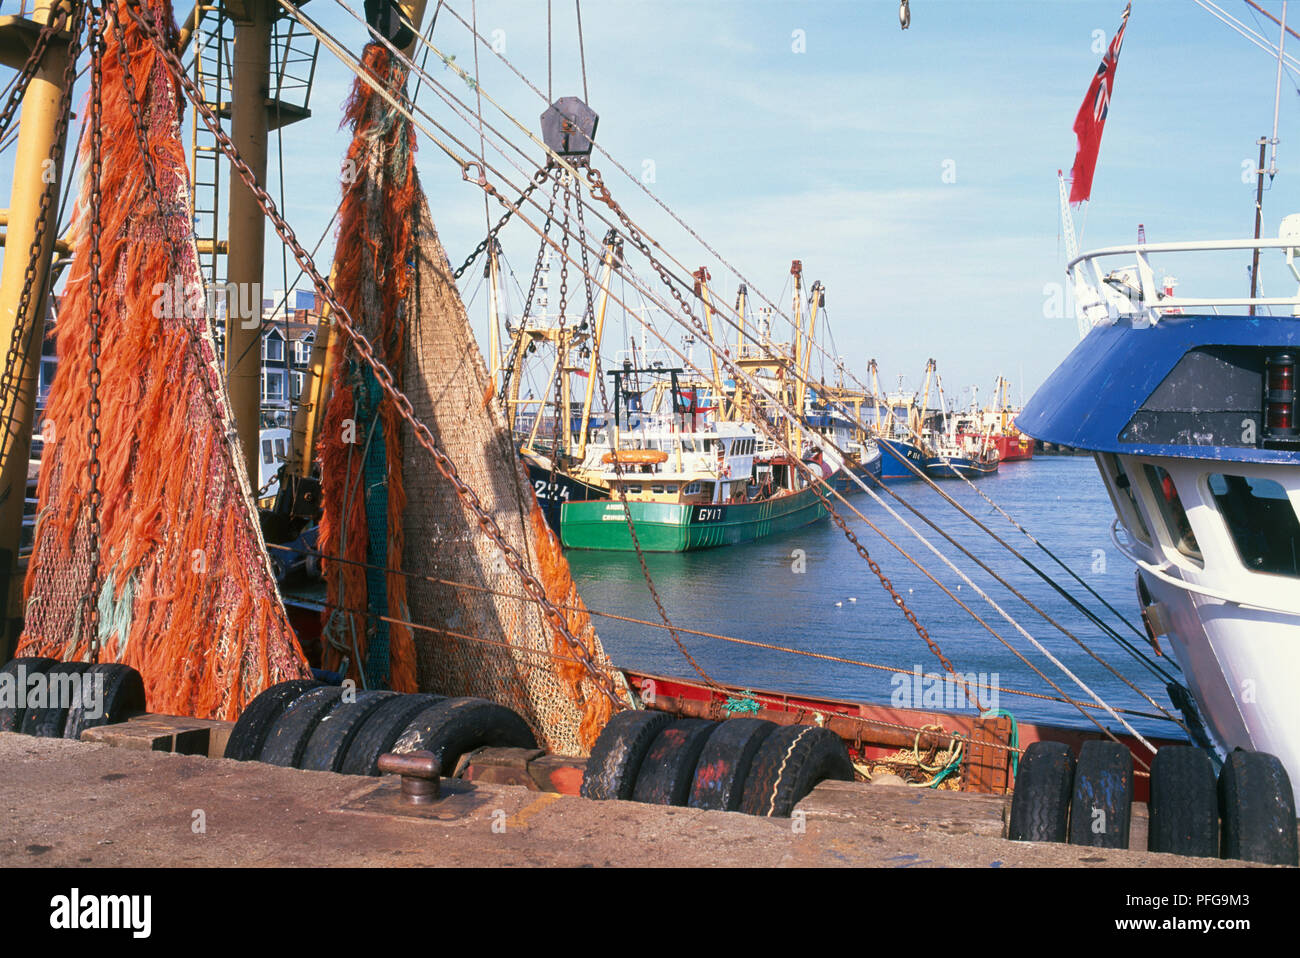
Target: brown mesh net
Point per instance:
(524, 663)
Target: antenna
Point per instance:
(1277, 92)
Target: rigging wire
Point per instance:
(465, 169)
(722, 637)
(786, 413)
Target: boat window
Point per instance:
(266, 451)
(657, 490)
(1262, 522)
(633, 490)
(692, 489)
(1175, 515)
(279, 448)
(1126, 501)
(671, 488)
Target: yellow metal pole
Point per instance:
(247, 226)
(494, 334)
(720, 397)
(593, 369)
(793, 434)
(33, 176)
(316, 382)
(532, 436)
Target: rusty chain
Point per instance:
(640, 553)
(612, 431)
(561, 341)
(22, 318)
(516, 355)
(538, 179)
(94, 497)
(487, 522)
(600, 192)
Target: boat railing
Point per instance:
(1099, 300)
(1163, 573)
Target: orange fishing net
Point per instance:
(486, 640)
(187, 594)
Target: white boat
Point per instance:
(1188, 404)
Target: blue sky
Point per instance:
(836, 156)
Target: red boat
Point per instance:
(998, 422)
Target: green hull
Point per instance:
(672, 527)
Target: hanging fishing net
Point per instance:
(186, 593)
(419, 591)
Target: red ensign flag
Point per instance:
(1092, 116)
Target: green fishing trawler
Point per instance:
(682, 480)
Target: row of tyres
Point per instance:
(748, 765)
(46, 698)
(308, 725)
(1246, 813)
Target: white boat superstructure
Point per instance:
(1189, 405)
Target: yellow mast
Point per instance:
(247, 227)
(917, 418)
(794, 437)
(613, 255)
(702, 291)
(737, 399)
(801, 386)
(34, 176)
(492, 271)
(881, 422)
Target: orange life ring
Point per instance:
(635, 456)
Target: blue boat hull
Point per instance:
(894, 456)
(953, 467)
(554, 489)
(868, 472)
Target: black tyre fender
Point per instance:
(249, 733)
(668, 769)
(330, 740)
(121, 697)
(48, 722)
(1257, 808)
(288, 737)
(1101, 807)
(1040, 804)
(1184, 804)
(380, 730)
(720, 774)
(11, 716)
(789, 764)
(617, 755)
(455, 726)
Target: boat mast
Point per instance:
(38, 134)
(919, 423)
(796, 270)
(613, 259)
(491, 272)
(737, 399)
(702, 291)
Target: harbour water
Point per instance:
(798, 591)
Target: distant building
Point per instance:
(288, 334)
(289, 328)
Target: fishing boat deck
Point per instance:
(82, 803)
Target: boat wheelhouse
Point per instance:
(1188, 404)
(683, 479)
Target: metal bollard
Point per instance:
(420, 772)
